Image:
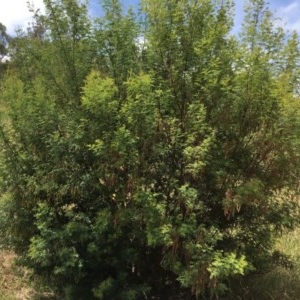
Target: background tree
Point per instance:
(4, 38)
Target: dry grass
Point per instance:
(17, 283)
(13, 281)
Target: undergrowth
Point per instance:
(281, 283)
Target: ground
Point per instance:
(16, 283)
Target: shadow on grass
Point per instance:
(279, 284)
(282, 283)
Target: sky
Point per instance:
(14, 13)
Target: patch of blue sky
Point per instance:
(14, 13)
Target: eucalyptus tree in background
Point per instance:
(138, 171)
(4, 38)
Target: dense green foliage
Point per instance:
(143, 157)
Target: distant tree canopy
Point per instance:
(4, 38)
(151, 155)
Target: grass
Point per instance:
(282, 283)
(13, 283)
(18, 283)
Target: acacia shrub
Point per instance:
(148, 170)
